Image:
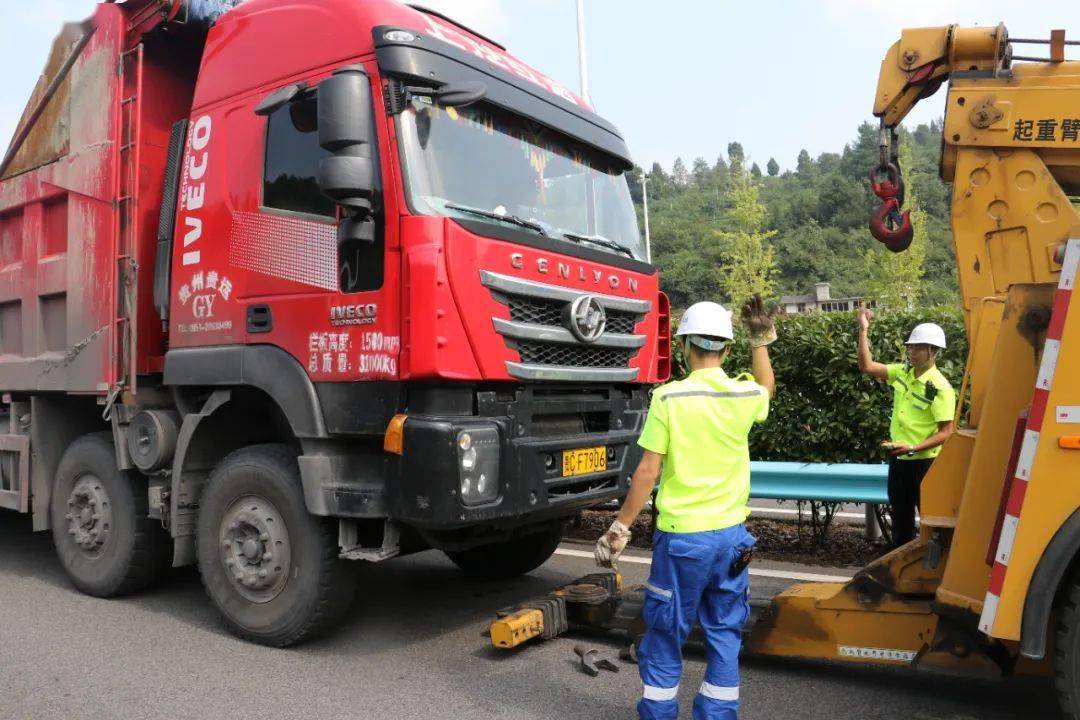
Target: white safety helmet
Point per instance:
(705, 320)
(927, 334)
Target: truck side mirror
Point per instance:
(348, 175)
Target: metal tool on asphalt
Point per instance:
(592, 662)
(593, 602)
(596, 603)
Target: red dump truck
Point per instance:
(293, 283)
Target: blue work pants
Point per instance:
(691, 580)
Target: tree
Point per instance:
(686, 248)
(772, 167)
(634, 178)
(736, 156)
(755, 171)
(895, 279)
(864, 153)
(749, 262)
(701, 173)
(679, 174)
(721, 173)
(659, 182)
(804, 164)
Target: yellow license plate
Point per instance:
(584, 460)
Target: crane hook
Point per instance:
(891, 227)
(890, 187)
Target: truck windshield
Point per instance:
(483, 163)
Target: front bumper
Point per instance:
(422, 490)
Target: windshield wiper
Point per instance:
(597, 240)
(512, 219)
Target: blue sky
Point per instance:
(678, 77)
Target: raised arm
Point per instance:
(761, 368)
(867, 364)
(761, 325)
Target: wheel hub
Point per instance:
(89, 516)
(255, 548)
(251, 549)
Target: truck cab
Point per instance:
(392, 266)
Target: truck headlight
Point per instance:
(478, 465)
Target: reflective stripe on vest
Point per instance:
(712, 394)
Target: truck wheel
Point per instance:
(270, 567)
(1067, 653)
(501, 561)
(103, 537)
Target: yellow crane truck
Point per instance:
(992, 584)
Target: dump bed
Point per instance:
(80, 192)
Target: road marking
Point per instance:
(804, 577)
(757, 572)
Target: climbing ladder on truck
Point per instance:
(127, 232)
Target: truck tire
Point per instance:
(271, 568)
(1067, 653)
(106, 543)
(505, 560)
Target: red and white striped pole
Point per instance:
(1039, 401)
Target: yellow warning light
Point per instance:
(394, 440)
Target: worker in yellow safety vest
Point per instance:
(923, 407)
(697, 430)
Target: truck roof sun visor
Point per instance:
(418, 57)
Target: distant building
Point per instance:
(821, 300)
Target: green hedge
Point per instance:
(825, 410)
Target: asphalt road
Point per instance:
(411, 649)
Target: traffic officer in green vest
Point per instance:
(696, 430)
(923, 407)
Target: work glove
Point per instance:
(865, 315)
(611, 544)
(759, 322)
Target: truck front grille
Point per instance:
(549, 312)
(572, 355)
(547, 348)
(540, 312)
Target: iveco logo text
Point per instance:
(353, 314)
(191, 198)
(565, 270)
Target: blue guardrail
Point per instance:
(841, 482)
